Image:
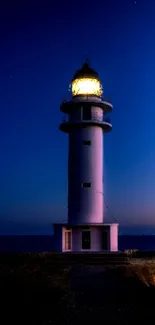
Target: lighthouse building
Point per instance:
(85, 125)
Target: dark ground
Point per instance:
(34, 290)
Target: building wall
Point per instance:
(114, 238)
(96, 242)
(76, 239)
(85, 205)
(95, 239)
(97, 113)
(77, 114)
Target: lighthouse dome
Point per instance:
(86, 82)
(85, 72)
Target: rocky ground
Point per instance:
(34, 290)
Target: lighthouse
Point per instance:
(85, 124)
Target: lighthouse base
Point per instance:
(86, 238)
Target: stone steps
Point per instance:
(91, 258)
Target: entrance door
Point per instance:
(68, 240)
(105, 240)
(86, 240)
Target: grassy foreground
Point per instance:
(34, 290)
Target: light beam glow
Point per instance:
(86, 86)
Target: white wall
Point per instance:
(85, 205)
(96, 243)
(114, 238)
(77, 239)
(96, 239)
(97, 113)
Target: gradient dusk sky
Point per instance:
(41, 46)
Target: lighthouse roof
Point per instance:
(85, 72)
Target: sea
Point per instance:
(45, 243)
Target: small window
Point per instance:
(87, 142)
(86, 184)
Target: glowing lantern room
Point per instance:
(86, 82)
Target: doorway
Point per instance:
(86, 113)
(86, 239)
(68, 239)
(104, 240)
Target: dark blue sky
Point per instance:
(41, 46)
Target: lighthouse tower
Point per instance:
(85, 125)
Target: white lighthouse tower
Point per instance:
(85, 125)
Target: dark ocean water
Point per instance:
(45, 243)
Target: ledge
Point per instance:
(67, 106)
